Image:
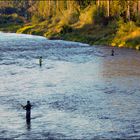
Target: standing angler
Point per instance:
(40, 61)
(28, 111)
(112, 52)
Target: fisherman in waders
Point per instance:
(112, 52)
(28, 111)
(40, 61)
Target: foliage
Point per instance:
(105, 22)
(14, 18)
(8, 10)
(99, 15)
(10, 27)
(36, 19)
(86, 16)
(69, 18)
(128, 35)
(25, 29)
(66, 29)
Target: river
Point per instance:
(80, 92)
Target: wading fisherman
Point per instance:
(112, 52)
(40, 61)
(28, 111)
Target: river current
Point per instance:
(80, 92)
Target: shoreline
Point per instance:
(103, 38)
(85, 44)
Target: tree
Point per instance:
(128, 10)
(108, 8)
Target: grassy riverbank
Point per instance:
(118, 34)
(114, 34)
(10, 27)
(11, 23)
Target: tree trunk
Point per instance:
(108, 8)
(98, 7)
(128, 10)
(138, 8)
(49, 5)
(98, 3)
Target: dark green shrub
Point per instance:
(8, 10)
(66, 29)
(99, 15)
(6, 19)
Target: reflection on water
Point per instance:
(80, 92)
(28, 123)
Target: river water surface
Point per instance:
(80, 91)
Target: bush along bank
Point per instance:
(11, 23)
(116, 34)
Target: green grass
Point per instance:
(26, 29)
(10, 27)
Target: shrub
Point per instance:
(128, 35)
(8, 10)
(66, 29)
(138, 21)
(99, 16)
(36, 18)
(7, 19)
(87, 16)
(56, 20)
(69, 17)
(25, 29)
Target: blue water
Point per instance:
(80, 91)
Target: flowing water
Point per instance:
(80, 92)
